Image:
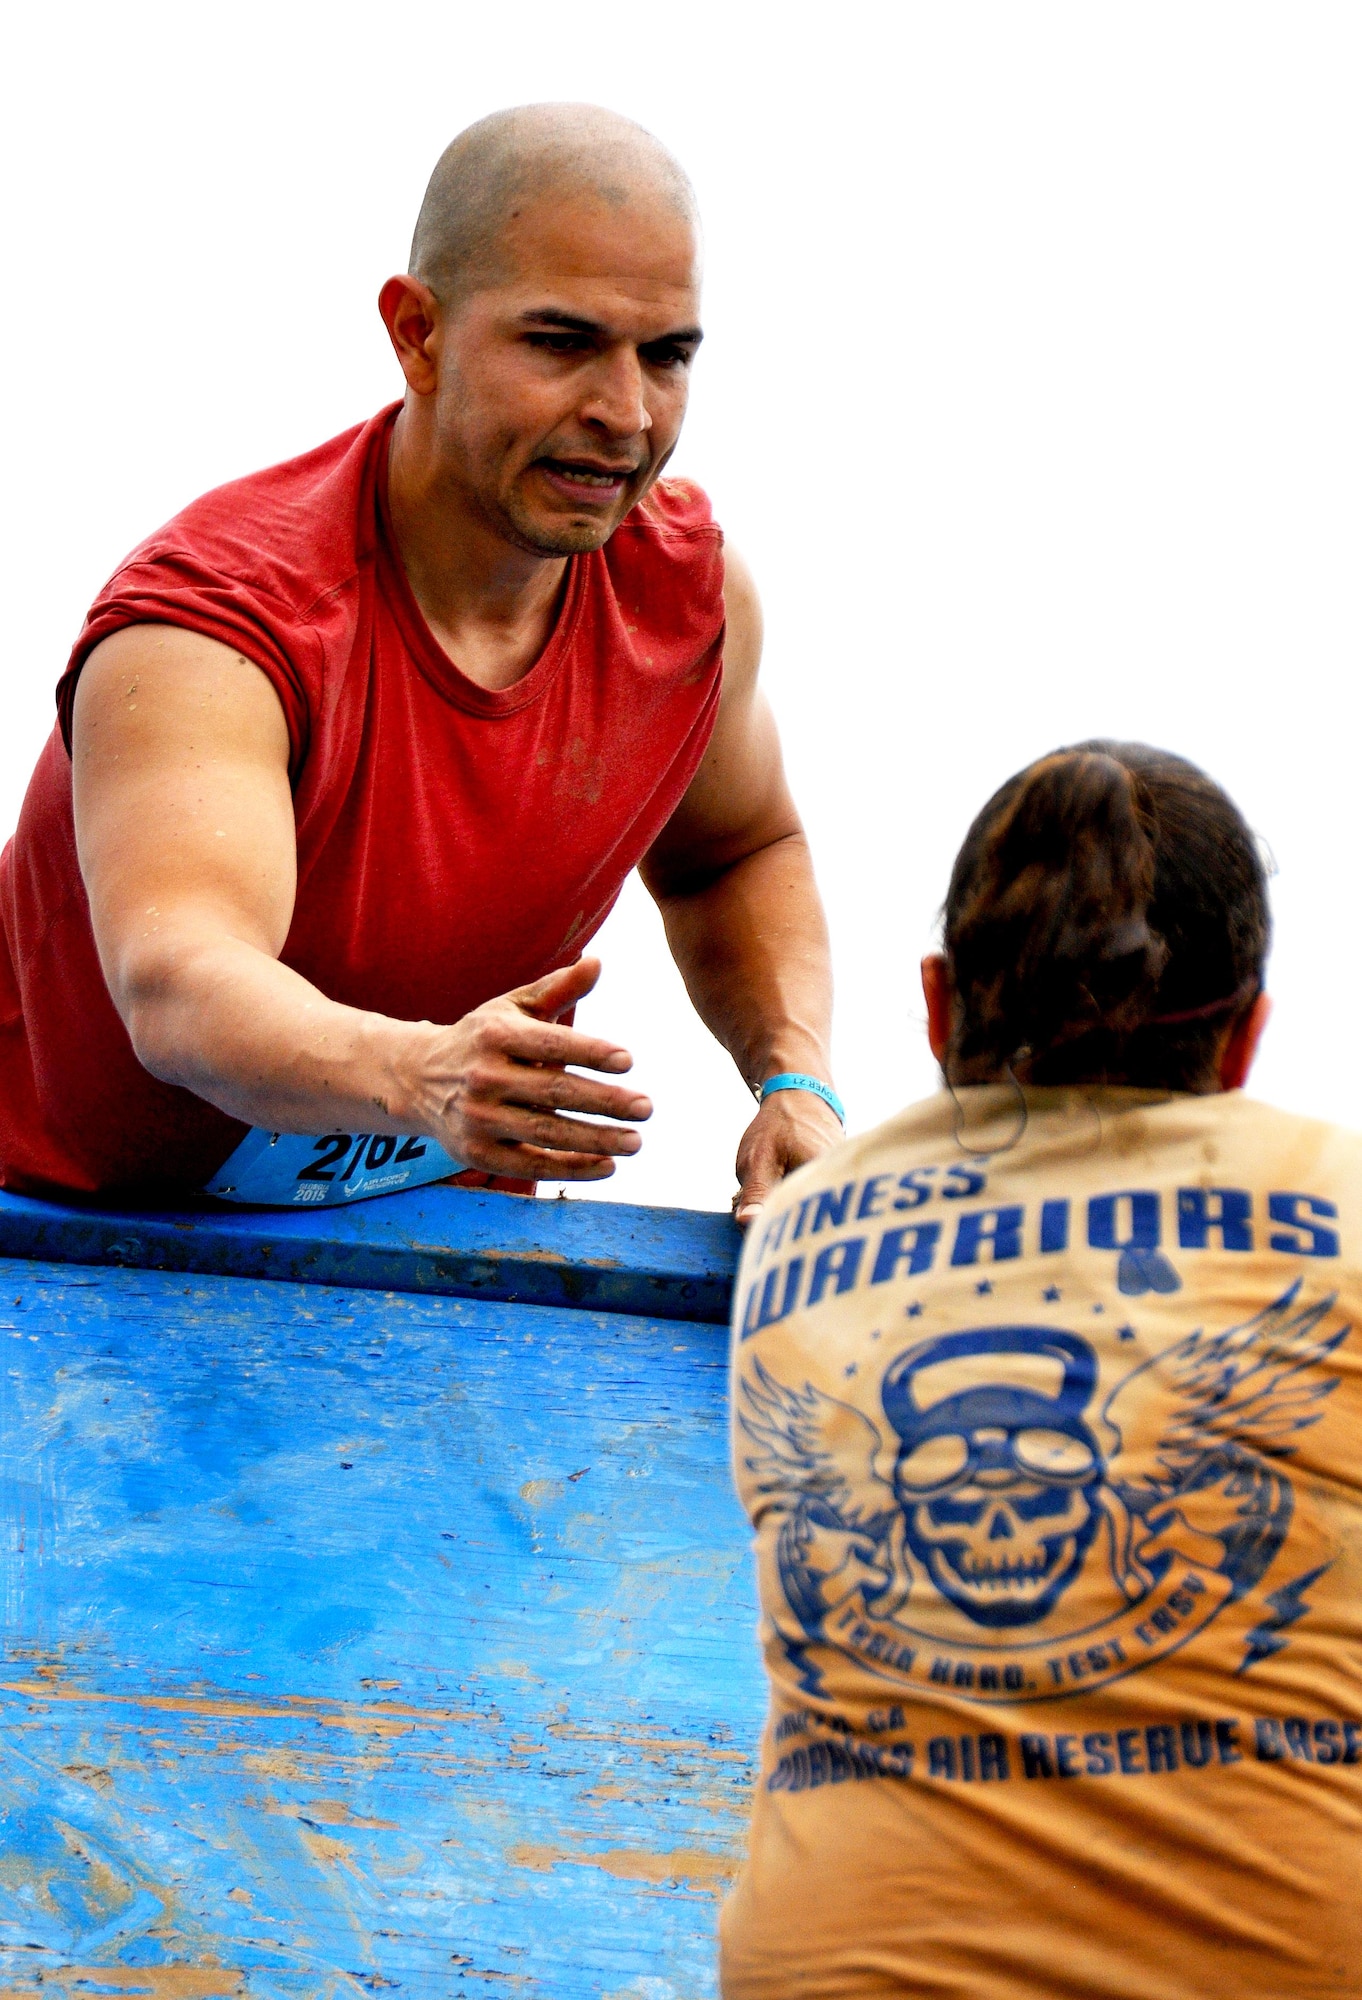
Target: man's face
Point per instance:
(563, 382)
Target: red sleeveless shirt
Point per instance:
(452, 842)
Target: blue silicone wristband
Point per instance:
(789, 1081)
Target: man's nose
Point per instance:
(616, 402)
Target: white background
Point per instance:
(1031, 392)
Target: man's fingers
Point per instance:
(551, 996)
(536, 1163)
(757, 1177)
(790, 1129)
(536, 1037)
(556, 1090)
(566, 1166)
(761, 1165)
(498, 1078)
(747, 1202)
(530, 1041)
(509, 1124)
(509, 1102)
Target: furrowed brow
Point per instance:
(566, 322)
(681, 336)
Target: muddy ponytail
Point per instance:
(1106, 919)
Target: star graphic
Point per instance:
(1052, 1295)
(984, 1287)
(1125, 1333)
(1099, 1308)
(850, 1368)
(915, 1310)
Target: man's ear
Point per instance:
(939, 994)
(411, 313)
(1241, 1045)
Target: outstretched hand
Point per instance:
(494, 1087)
(791, 1127)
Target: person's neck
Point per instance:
(490, 605)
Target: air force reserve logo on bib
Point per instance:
(1010, 1529)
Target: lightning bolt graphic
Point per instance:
(1286, 1605)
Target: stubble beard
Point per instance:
(567, 538)
(501, 513)
(571, 539)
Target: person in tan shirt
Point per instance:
(1047, 1413)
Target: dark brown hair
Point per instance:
(1107, 919)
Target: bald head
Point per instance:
(514, 159)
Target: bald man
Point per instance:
(354, 755)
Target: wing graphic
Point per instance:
(813, 1459)
(1256, 1385)
(812, 1451)
(1203, 1431)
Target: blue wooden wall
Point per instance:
(364, 1641)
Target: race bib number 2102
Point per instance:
(286, 1170)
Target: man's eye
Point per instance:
(667, 357)
(558, 343)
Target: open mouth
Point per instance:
(584, 479)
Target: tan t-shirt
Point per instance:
(1054, 1458)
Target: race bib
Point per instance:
(286, 1170)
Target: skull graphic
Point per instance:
(997, 1477)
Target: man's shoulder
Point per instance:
(672, 508)
(665, 561)
(293, 530)
(262, 564)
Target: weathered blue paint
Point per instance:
(362, 1641)
(669, 1263)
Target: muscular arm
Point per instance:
(184, 825)
(733, 879)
